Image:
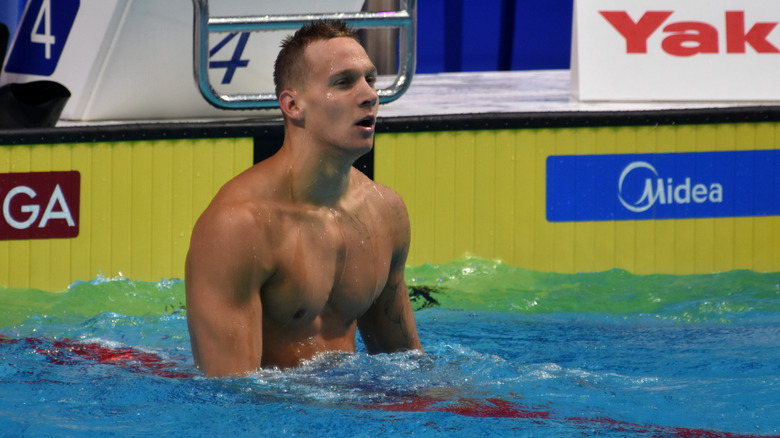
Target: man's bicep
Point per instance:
(226, 336)
(224, 311)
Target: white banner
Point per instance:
(676, 50)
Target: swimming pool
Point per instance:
(510, 352)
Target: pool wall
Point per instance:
(473, 184)
(487, 192)
(138, 202)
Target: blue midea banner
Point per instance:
(663, 186)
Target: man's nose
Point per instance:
(369, 96)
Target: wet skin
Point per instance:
(297, 253)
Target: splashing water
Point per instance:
(480, 284)
(509, 352)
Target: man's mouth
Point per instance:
(367, 122)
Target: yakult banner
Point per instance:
(676, 50)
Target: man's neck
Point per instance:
(315, 178)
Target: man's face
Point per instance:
(339, 100)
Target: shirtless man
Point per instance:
(298, 252)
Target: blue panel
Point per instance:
(542, 37)
(663, 186)
(42, 35)
(430, 36)
(474, 35)
(481, 32)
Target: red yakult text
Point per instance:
(689, 38)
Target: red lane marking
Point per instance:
(666, 431)
(132, 359)
(499, 408)
(492, 407)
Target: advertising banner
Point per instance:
(39, 205)
(663, 186)
(676, 50)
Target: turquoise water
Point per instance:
(510, 352)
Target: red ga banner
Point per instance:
(39, 205)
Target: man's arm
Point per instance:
(389, 325)
(222, 280)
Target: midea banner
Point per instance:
(686, 185)
(676, 50)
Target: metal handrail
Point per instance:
(405, 19)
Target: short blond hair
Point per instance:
(290, 66)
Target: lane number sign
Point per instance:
(41, 36)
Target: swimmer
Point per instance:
(300, 251)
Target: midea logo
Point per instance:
(664, 191)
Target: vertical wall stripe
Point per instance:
(484, 200)
(424, 189)
(162, 207)
(446, 196)
(485, 194)
(524, 202)
(505, 191)
(181, 215)
(5, 250)
(121, 196)
(463, 155)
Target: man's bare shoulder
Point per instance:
(390, 206)
(245, 196)
(233, 206)
(378, 192)
(235, 217)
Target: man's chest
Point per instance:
(333, 264)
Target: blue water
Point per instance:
(707, 364)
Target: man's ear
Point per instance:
(289, 105)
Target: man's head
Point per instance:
(326, 86)
(290, 67)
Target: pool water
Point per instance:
(510, 352)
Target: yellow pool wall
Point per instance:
(483, 193)
(139, 201)
(468, 192)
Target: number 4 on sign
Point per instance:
(235, 60)
(41, 36)
(46, 38)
